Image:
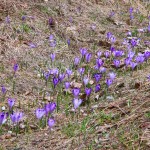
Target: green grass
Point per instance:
(103, 117)
(25, 28)
(70, 129)
(147, 115)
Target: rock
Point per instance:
(110, 98)
(22, 126)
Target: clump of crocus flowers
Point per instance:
(45, 114)
(15, 117)
(85, 67)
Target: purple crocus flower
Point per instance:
(40, 112)
(93, 27)
(109, 82)
(133, 42)
(52, 40)
(133, 65)
(131, 54)
(112, 75)
(81, 70)
(51, 122)
(3, 89)
(15, 67)
(16, 117)
(88, 57)
(68, 42)
(127, 61)
(3, 117)
(55, 81)
(97, 88)
(112, 39)
(131, 10)
(54, 71)
(102, 69)
(97, 77)
(52, 56)
(148, 28)
(51, 22)
(53, 43)
(107, 54)
(70, 19)
(140, 58)
(67, 85)
(69, 72)
(141, 30)
(23, 18)
(96, 67)
(99, 53)
(129, 33)
(148, 77)
(51, 37)
(129, 47)
(61, 77)
(76, 92)
(85, 80)
(147, 43)
(32, 45)
(116, 63)
(125, 42)
(112, 49)
(76, 102)
(83, 51)
(112, 13)
(7, 19)
(76, 61)
(88, 91)
(147, 54)
(50, 107)
(109, 34)
(46, 75)
(99, 62)
(131, 17)
(118, 53)
(11, 102)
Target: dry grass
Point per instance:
(120, 124)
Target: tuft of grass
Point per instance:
(103, 117)
(70, 129)
(1, 148)
(129, 137)
(25, 28)
(141, 18)
(2, 68)
(135, 32)
(147, 115)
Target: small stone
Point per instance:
(95, 106)
(97, 97)
(91, 82)
(72, 110)
(39, 75)
(22, 126)
(33, 127)
(3, 108)
(10, 132)
(81, 110)
(110, 98)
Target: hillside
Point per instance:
(78, 73)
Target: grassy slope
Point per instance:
(119, 124)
